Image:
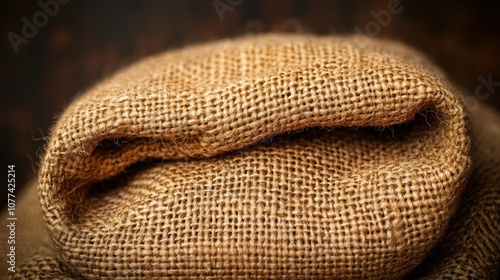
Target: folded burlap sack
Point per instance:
(275, 156)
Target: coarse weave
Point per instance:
(271, 156)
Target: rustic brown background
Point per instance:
(87, 40)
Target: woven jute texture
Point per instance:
(471, 246)
(271, 156)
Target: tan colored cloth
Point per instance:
(470, 248)
(34, 254)
(276, 156)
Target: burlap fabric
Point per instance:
(276, 156)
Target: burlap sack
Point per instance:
(276, 156)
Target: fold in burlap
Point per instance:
(268, 156)
(470, 248)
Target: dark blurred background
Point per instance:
(78, 43)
